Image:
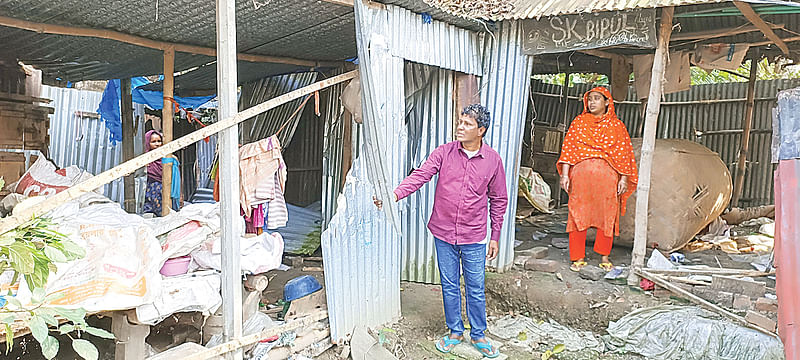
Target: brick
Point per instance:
(760, 320)
(662, 293)
(767, 305)
(560, 243)
(753, 289)
(592, 272)
(721, 298)
(741, 302)
(520, 260)
(542, 265)
(539, 252)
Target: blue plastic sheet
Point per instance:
(109, 108)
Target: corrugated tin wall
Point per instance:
(429, 114)
(708, 114)
(361, 245)
(266, 124)
(84, 141)
(435, 43)
(333, 145)
(304, 160)
(505, 87)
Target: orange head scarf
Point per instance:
(603, 138)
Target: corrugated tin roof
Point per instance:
(534, 9)
(302, 29)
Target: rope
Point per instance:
(316, 109)
(189, 116)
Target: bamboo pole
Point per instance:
(747, 125)
(166, 124)
(229, 177)
(565, 102)
(72, 193)
(648, 143)
(149, 43)
(128, 135)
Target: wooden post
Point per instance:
(166, 124)
(747, 124)
(128, 135)
(229, 175)
(648, 143)
(347, 146)
(565, 102)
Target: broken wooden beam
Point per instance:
(710, 271)
(756, 20)
(715, 33)
(658, 280)
(140, 161)
(252, 339)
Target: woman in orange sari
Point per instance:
(598, 171)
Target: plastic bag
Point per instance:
(688, 333)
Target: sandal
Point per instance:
(577, 265)
(446, 344)
(486, 349)
(607, 266)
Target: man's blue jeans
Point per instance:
(472, 259)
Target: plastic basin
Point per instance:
(176, 266)
(300, 287)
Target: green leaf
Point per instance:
(66, 328)
(47, 315)
(49, 347)
(38, 296)
(559, 349)
(7, 318)
(72, 250)
(85, 349)
(7, 238)
(9, 338)
(21, 258)
(54, 296)
(14, 301)
(38, 328)
(99, 332)
(76, 316)
(54, 254)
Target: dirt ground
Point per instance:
(562, 296)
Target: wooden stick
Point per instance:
(648, 143)
(747, 125)
(153, 44)
(756, 20)
(752, 273)
(166, 125)
(132, 165)
(252, 339)
(658, 280)
(710, 34)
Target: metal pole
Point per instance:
(229, 174)
(648, 144)
(747, 124)
(166, 125)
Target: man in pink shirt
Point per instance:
(471, 185)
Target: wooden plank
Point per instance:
(756, 20)
(252, 339)
(747, 125)
(229, 177)
(648, 143)
(140, 161)
(658, 280)
(23, 98)
(153, 44)
(166, 124)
